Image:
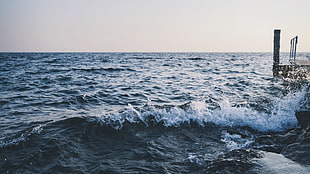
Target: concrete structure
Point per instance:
(297, 68)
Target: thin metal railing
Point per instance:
(293, 50)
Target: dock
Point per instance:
(296, 69)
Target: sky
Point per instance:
(152, 25)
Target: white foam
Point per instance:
(281, 117)
(235, 141)
(196, 159)
(16, 138)
(11, 140)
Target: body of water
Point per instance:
(149, 113)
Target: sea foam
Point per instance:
(280, 118)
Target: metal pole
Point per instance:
(291, 50)
(276, 51)
(296, 40)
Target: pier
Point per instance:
(297, 69)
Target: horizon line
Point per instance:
(144, 52)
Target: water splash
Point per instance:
(236, 141)
(281, 117)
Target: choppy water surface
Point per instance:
(140, 112)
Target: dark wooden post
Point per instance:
(276, 51)
(291, 52)
(296, 40)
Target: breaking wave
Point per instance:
(281, 117)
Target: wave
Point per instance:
(78, 144)
(280, 115)
(18, 137)
(198, 114)
(189, 137)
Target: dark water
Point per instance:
(149, 113)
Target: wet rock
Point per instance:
(299, 150)
(271, 143)
(236, 161)
(293, 144)
(277, 163)
(254, 162)
(303, 118)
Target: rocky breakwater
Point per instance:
(287, 152)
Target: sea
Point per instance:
(150, 113)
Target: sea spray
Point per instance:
(281, 117)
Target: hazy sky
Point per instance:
(152, 25)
